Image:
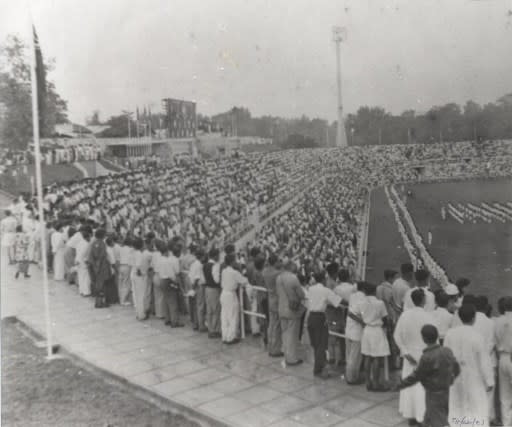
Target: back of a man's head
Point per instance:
(344, 275)
(421, 277)
(429, 334)
(467, 314)
(320, 277)
(481, 303)
(418, 297)
(442, 299)
(272, 259)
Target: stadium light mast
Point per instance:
(338, 35)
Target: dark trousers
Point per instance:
(319, 337)
(436, 413)
(172, 308)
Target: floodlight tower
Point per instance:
(339, 34)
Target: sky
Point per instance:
(274, 57)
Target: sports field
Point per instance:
(481, 251)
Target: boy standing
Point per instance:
(436, 371)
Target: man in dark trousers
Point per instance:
(270, 273)
(211, 271)
(436, 370)
(318, 298)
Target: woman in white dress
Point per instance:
(58, 250)
(374, 343)
(82, 254)
(158, 263)
(231, 279)
(139, 276)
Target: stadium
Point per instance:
(179, 259)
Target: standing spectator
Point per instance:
(353, 334)
(318, 298)
(421, 277)
(7, 231)
(171, 287)
(401, 285)
(436, 371)
(374, 344)
(124, 285)
(441, 316)
(290, 297)
(159, 263)
(81, 260)
(231, 279)
(99, 268)
(58, 249)
(468, 394)
(503, 336)
(197, 280)
(408, 339)
(211, 271)
(270, 274)
(21, 244)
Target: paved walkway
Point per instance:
(238, 385)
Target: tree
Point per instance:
(15, 95)
(118, 127)
(94, 120)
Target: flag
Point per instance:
(41, 82)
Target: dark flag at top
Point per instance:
(41, 83)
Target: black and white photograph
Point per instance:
(234, 213)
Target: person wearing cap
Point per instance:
(318, 297)
(408, 339)
(503, 337)
(453, 297)
(436, 371)
(468, 394)
(401, 285)
(422, 277)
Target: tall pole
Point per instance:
(39, 186)
(341, 137)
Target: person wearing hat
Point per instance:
(453, 297)
(422, 277)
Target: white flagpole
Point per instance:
(39, 186)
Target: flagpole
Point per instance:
(39, 186)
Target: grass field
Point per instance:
(482, 252)
(61, 394)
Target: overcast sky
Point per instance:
(272, 56)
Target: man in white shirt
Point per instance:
(442, 317)
(353, 335)
(7, 234)
(401, 286)
(318, 297)
(198, 302)
(468, 394)
(503, 338)
(345, 289)
(422, 277)
(410, 342)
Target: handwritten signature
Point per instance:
(468, 421)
